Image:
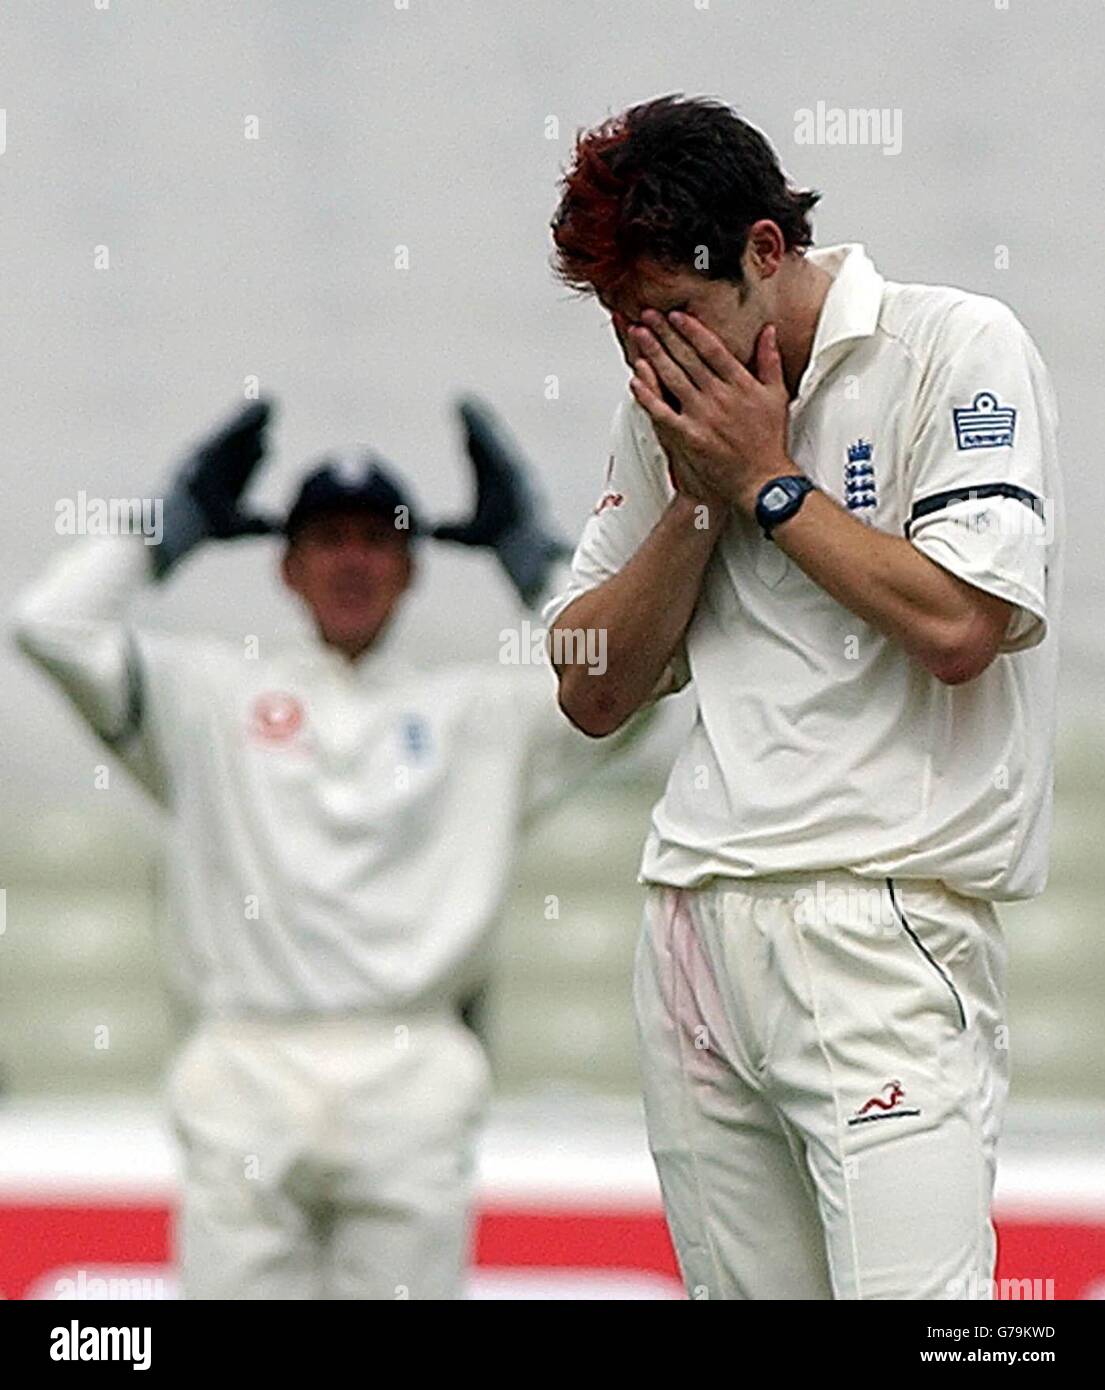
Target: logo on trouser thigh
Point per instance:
(887, 1105)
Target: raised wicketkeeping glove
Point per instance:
(508, 517)
(204, 502)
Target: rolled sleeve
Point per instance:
(983, 497)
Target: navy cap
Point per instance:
(359, 481)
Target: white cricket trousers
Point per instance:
(327, 1158)
(825, 1071)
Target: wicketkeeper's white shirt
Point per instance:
(341, 834)
(818, 743)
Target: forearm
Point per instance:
(639, 615)
(71, 622)
(949, 627)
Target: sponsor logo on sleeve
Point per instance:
(984, 424)
(609, 498)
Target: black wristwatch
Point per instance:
(780, 498)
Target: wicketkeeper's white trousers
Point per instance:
(327, 1158)
(825, 1071)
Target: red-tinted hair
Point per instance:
(664, 180)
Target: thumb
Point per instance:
(769, 365)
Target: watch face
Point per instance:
(776, 498)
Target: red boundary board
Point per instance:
(36, 1238)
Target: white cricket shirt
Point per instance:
(341, 835)
(818, 744)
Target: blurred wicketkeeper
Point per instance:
(342, 827)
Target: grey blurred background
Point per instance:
(441, 126)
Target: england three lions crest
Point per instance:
(860, 487)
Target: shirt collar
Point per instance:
(382, 662)
(851, 308)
